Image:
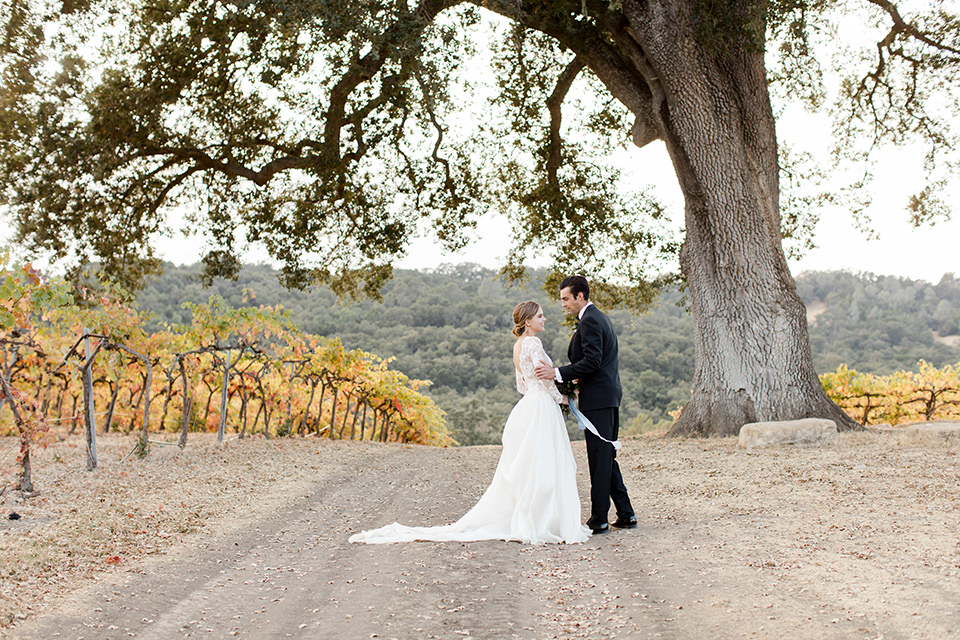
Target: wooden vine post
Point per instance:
(187, 402)
(145, 427)
(290, 397)
(88, 400)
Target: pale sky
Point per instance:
(924, 253)
(895, 248)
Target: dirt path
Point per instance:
(860, 541)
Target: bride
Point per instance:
(533, 496)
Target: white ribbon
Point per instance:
(586, 425)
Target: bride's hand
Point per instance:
(565, 400)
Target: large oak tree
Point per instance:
(326, 131)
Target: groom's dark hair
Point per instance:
(578, 285)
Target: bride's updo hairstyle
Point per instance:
(523, 312)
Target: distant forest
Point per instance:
(452, 326)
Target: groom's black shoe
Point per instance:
(626, 523)
(598, 527)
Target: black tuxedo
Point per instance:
(594, 361)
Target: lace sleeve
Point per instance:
(532, 354)
(521, 383)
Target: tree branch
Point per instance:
(156, 202)
(336, 117)
(901, 26)
(554, 102)
(369, 65)
(204, 161)
(603, 48)
(448, 182)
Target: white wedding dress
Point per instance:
(533, 497)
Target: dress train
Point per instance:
(533, 497)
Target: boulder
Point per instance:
(808, 432)
(165, 451)
(943, 432)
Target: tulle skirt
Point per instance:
(533, 496)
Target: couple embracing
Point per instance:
(533, 497)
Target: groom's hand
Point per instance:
(545, 373)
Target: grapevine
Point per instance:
(248, 370)
(902, 397)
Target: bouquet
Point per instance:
(569, 389)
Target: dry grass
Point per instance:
(83, 523)
(869, 525)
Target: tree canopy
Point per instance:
(328, 133)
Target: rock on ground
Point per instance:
(945, 432)
(809, 432)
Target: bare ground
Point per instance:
(860, 540)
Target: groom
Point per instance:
(593, 357)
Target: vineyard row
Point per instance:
(75, 359)
(902, 397)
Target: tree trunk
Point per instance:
(356, 416)
(7, 373)
(136, 396)
(384, 426)
(185, 426)
(256, 419)
(61, 394)
(168, 395)
(187, 405)
(114, 394)
(206, 410)
(333, 410)
(46, 396)
(145, 425)
(264, 406)
(290, 400)
(306, 411)
(25, 481)
(753, 358)
(89, 418)
(73, 414)
(89, 408)
(346, 415)
(243, 406)
(323, 392)
(225, 396)
(363, 421)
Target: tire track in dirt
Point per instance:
(730, 545)
(288, 570)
